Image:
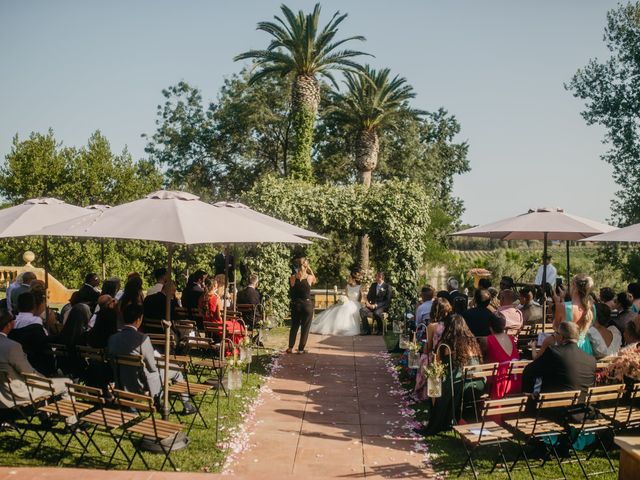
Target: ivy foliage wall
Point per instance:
(394, 213)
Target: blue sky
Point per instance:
(499, 66)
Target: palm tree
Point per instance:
(372, 102)
(300, 49)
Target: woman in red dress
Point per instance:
(210, 305)
(502, 349)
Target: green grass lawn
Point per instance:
(203, 453)
(447, 453)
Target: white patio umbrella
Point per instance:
(541, 224)
(242, 209)
(99, 208)
(26, 219)
(173, 218)
(630, 234)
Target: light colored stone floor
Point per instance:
(331, 413)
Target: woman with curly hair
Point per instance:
(464, 351)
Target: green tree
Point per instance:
(302, 50)
(610, 89)
(372, 101)
(219, 149)
(41, 167)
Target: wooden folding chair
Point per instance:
(204, 359)
(19, 407)
(152, 325)
(475, 372)
(488, 433)
(625, 417)
(193, 390)
(596, 396)
(58, 410)
(545, 430)
(151, 428)
(99, 417)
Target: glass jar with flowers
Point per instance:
(434, 372)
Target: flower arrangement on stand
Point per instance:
(434, 372)
(625, 366)
(414, 349)
(234, 372)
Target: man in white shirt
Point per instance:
(16, 283)
(424, 309)
(161, 276)
(551, 273)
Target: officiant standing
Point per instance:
(300, 284)
(378, 300)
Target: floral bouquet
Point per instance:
(342, 299)
(626, 364)
(435, 369)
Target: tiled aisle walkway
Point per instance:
(330, 413)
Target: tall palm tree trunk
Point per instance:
(367, 149)
(305, 98)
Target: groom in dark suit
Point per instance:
(378, 300)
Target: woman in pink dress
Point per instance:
(502, 349)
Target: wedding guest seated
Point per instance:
(131, 295)
(378, 301)
(562, 367)
(155, 305)
(484, 282)
(98, 374)
(129, 341)
(531, 311)
(194, 290)
(49, 317)
(424, 309)
(494, 303)
(477, 318)
(608, 296)
(29, 331)
(14, 362)
(110, 287)
(624, 303)
(249, 296)
(211, 308)
(502, 349)
(25, 286)
(631, 336)
(508, 310)
(89, 292)
(634, 289)
(465, 351)
(606, 339)
(160, 275)
(73, 333)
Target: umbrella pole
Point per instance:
(224, 308)
(104, 267)
(544, 283)
(45, 251)
(167, 337)
(568, 270)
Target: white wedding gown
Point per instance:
(342, 318)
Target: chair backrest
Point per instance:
(504, 406)
(174, 365)
(159, 339)
(558, 399)
(36, 382)
(484, 370)
(604, 362)
(141, 403)
(516, 367)
(85, 394)
(604, 393)
(91, 354)
(59, 350)
(151, 325)
(120, 362)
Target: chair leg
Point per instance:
(168, 453)
(575, 452)
(504, 460)
(116, 449)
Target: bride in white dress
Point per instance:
(343, 318)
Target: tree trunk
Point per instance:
(367, 149)
(305, 98)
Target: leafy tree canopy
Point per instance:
(611, 89)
